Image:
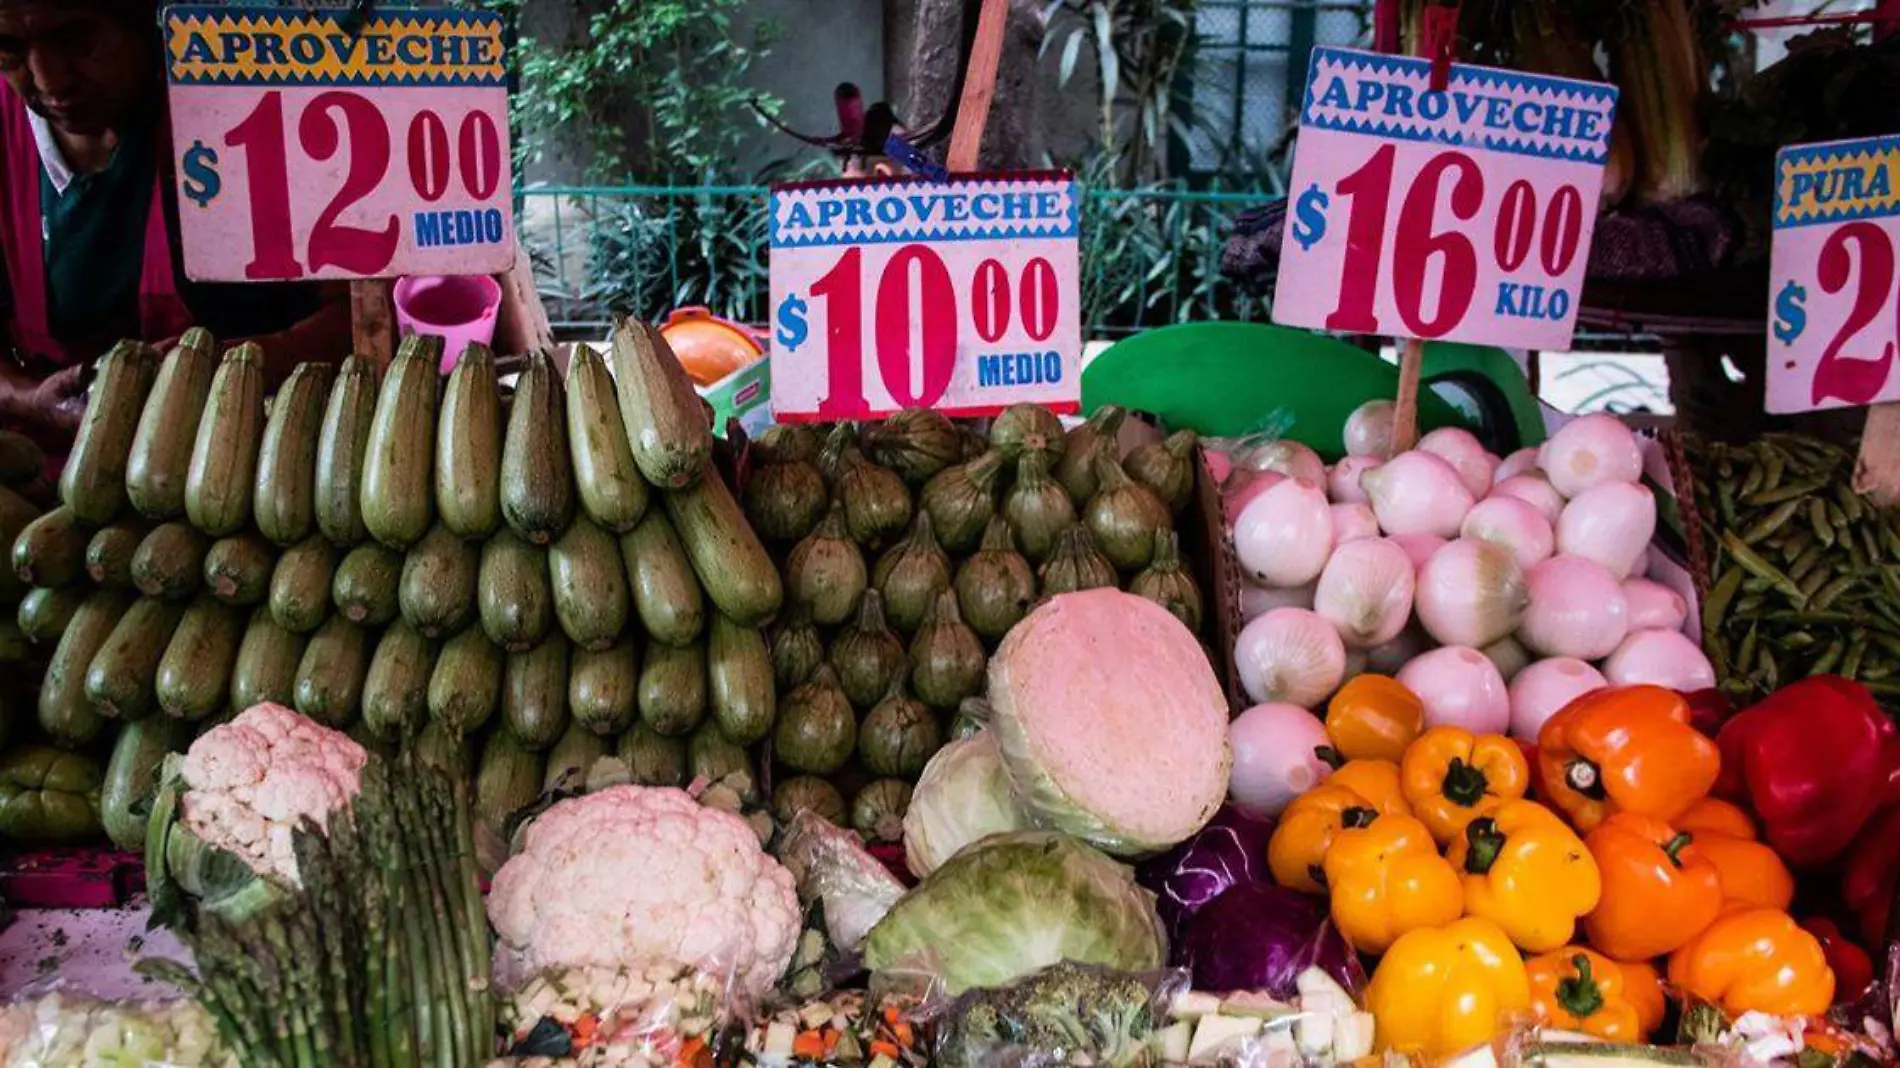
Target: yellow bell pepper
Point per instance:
(1755, 960)
(1528, 872)
(1387, 878)
(1452, 776)
(1373, 716)
(1576, 989)
(1375, 780)
(1306, 831)
(1442, 990)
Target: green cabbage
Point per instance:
(962, 796)
(1014, 903)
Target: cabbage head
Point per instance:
(963, 795)
(1016, 902)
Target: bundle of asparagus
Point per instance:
(380, 959)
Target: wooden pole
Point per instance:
(522, 324)
(373, 320)
(979, 87)
(1405, 408)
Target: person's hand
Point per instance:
(55, 403)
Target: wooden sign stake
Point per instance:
(1405, 407)
(1877, 470)
(979, 87)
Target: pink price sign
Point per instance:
(1834, 316)
(1463, 213)
(961, 296)
(306, 146)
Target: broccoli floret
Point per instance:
(1074, 1009)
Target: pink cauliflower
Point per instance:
(251, 781)
(635, 873)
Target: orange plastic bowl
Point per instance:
(710, 348)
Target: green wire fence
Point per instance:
(1150, 256)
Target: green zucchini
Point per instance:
(160, 463)
(513, 592)
(537, 474)
(589, 585)
(65, 712)
(437, 590)
(603, 687)
(51, 550)
(194, 676)
(612, 491)
(21, 459)
(398, 498)
(364, 586)
(396, 694)
(728, 557)
(45, 613)
(739, 676)
(109, 553)
(285, 500)
(170, 562)
(571, 758)
(330, 676)
(300, 585)
(223, 468)
(132, 777)
(92, 483)
(534, 693)
(121, 681)
(508, 780)
(652, 758)
(468, 447)
(238, 569)
(672, 695)
(342, 443)
(465, 687)
(665, 591)
(16, 514)
(665, 421)
(267, 660)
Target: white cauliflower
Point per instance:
(644, 873)
(251, 781)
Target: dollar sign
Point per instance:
(1791, 315)
(792, 329)
(1310, 211)
(201, 174)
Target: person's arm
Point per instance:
(49, 408)
(321, 337)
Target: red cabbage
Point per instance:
(1230, 850)
(1258, 936)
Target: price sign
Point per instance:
(1463, 213)
(306, 150)
(1834, 317)
(961, 296)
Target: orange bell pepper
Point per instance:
(1755, 960)
(1642, 985)
(1752, 873)
(1387, 878)
(1297, 850)
(1525, 870)
(1377, 781)
(1576, 989)
(1658, 890)
(1452, 776)
(1373, 717)
(1625, 749)
(1712, 815)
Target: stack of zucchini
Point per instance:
(540, 580)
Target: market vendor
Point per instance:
(89, 217)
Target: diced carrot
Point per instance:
(890, 1014)
(1823, 1042)
(905, 1037)
(888, 1049)
(585, 1028)
(809, 1044)
(695, 1054)
(832, 1035)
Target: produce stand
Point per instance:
(979, 709)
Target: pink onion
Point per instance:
(1353, 521)
(1285, 457)
(1368, 429)
(1275, 757)
(1419, 547)
(1513, 523)
(1577, 609)
(1284, 536)
(1470, 592)
(1342, 480)
(1521, 462)
(1534, 490)
(1417, 493)
(1387, 659)
(1290, 655)
(1654, 606)
(1611, 524)
(1239, 492)
(1661, 658)
(1508, 656)
(1589, 451)
(1257, 601)
(1543, 688)
(1465, 453)
(1366, 591)
(1459, 688)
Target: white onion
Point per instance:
(1275, 757)
(1342, 479)
(1291, 655)
(1577, 609)
(1239, 491)
(1521, 462)
(1508, 656)
(1589, 451)
(1417, 493)
(1513, 523)
(1257, 601)
(1387, 659)
(1545, 687)
(1611, 524)
(1418, 547)
(1285, 457)
(1369, 429)
(1459, 688)
(1470, 592)
(1283, 536)
(1352, 522)
(1534, 490)
(1465, 453)
(1654, 606)
(1661, 658)
(1366, 591)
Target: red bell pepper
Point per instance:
(1812, 760)
(1868, 877)
(1853, 968)
(1708, 710)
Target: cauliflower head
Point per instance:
(252, 781)
(636, 873)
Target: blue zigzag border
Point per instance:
(1827, 152)
(1069, 226)
(406, 77)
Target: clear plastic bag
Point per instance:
(1321, 1027)
(834, 870)
(67, 1030)
(1065, 1014)
(651, 1016)
(845, 1029)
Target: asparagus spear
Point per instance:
(474, 917)
(433, 1029)
(439, 823)
(319, 861)
(434, 907)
